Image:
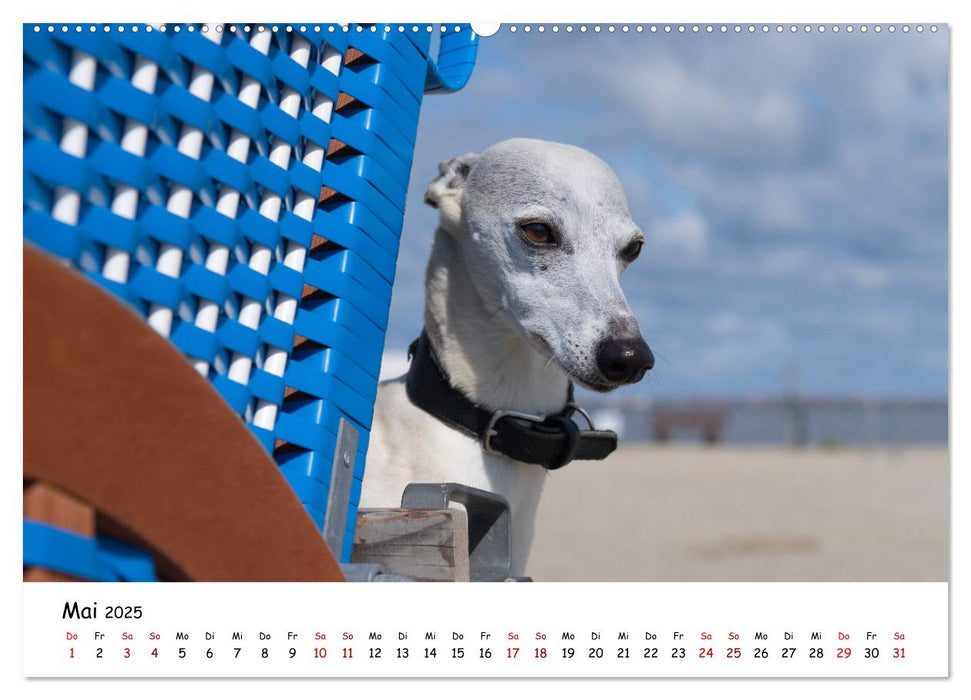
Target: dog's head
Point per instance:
(545, 233)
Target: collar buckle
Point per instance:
(491, 432)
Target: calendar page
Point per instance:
(464, 350)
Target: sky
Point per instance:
(792, 190)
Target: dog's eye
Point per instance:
(537, 232)
(632, 250)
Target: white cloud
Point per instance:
(706, 115)
(683, 235)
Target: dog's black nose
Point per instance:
(624, 359)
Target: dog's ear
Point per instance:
(445, 191)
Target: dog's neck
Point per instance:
(480, 352)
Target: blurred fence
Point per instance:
(778, 420)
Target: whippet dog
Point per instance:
(522, 298)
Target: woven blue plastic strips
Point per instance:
(243, 188)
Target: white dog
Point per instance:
(522, 296)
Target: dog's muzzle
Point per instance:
(624, 360)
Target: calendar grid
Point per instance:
(473, 630)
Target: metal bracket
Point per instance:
(341, 480)
(489, 524)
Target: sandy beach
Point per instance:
(697, 513)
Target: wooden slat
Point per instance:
(348, 102)
(329, 194)
(355, 56)
(51, 505)
(427, 545)
(339, 149)
(37, 574)
(317, 243)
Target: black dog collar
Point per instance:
(550, 441)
